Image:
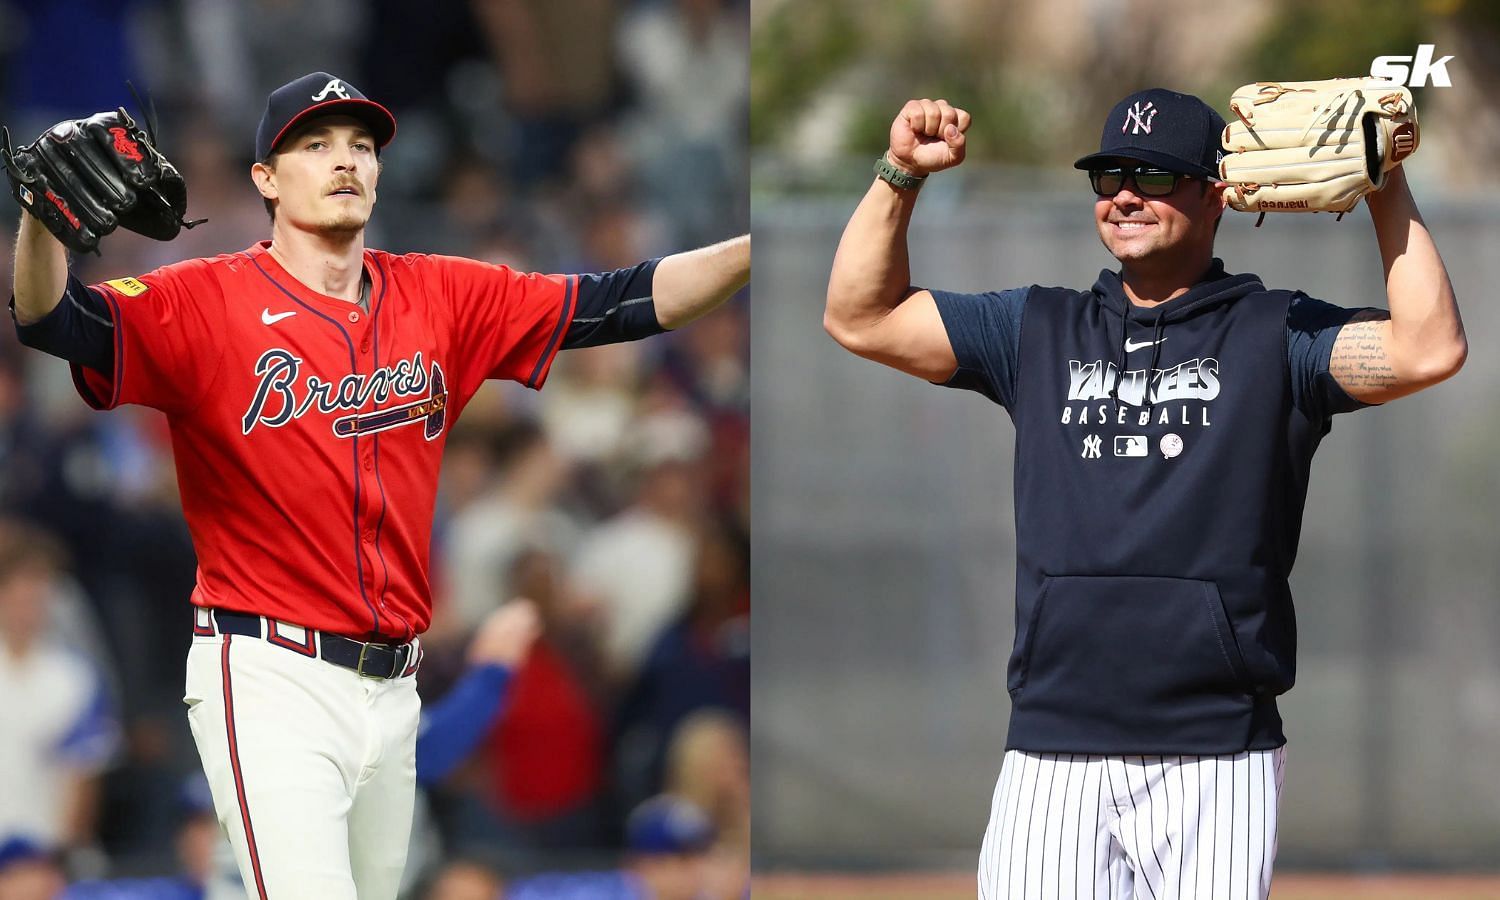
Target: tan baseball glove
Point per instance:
(1314, 146)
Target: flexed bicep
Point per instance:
(911, 338)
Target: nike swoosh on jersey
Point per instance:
(268, 319)
(1132, 346)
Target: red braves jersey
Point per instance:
(307, 433)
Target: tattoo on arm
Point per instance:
(1360, 361)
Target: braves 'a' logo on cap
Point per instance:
(336, 86)
(1137, 115)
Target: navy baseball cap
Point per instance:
(1177, 132)
(319, 93)
(18, 849)
(667, 824)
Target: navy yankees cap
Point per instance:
(1177, 132)
(319, 93)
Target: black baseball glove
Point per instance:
(86, 177)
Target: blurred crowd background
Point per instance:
(883, 573)
(550, 136)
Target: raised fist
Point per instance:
(928, 136)
(506, 635)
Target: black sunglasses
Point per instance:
(1149, 181)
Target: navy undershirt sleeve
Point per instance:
(985, 330)
(614, 307)
(453, 726)
(1312, 327)
(79, 329)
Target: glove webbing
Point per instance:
(148, 112)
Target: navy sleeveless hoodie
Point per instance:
(1160, 475)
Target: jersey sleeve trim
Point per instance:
(85, 385)
(554, 343)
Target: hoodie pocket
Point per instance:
(1131, 645)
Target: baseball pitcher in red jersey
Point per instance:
(310, 384)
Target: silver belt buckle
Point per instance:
(359, 667)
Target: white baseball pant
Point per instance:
(1066, 825)
(312, 767)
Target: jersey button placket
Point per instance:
(369, 533)
(370, 511)
(361, 334)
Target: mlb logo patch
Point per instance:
(1130, 445)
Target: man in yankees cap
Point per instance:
(1166, 419)
(310, 384)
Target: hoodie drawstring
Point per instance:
(1114, 390)
(1148, 400)
(1161, 328)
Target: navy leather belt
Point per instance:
(368, 659)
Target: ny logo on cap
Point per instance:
(337, 87)
(1137, 114)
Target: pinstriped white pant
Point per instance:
(1068, 825)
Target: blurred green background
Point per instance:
(827, 77)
